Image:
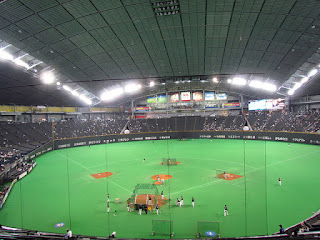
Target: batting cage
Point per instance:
(169, 161)
(144, 194)
(208, 229)
(162, 227)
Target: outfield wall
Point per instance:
(245, 135)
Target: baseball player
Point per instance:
(192, 202)
(279, 181)
(226, 210)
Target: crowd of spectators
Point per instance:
(18, 139)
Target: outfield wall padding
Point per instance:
(244, 135)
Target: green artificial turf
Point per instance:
(61, 189)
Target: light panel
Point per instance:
(47, 77)
(133, 87)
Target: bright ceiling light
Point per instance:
(5, 55)
(229, 80)
(67, 88)
(131, 88)
(312, 72)
(269, 87)
(21, 63)
(75, 93)
(85, 99)
(48, 77)
(239, 81)
(297, 85)
(291, 92)
(304, 80)
(215, 80)
(117, 92)
(111, 94)
(151, 84)
(106, 96)
(58, 83)
(262, 85)
(255, 84)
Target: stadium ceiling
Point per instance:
(99, 43)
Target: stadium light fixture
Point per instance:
(297, 85)
(262, 85)
(255, 84)
(291, 92)
(48, 77)
(215, 80)
(111, 94)
(239, 81)
(67, 88)
(269, 87)
(75, 93)
(21, 63)
(85, 99)
(5, 55)
(312, 73)
(105, 96)
(151, 84)
(58, 83)
(304, 80)
(133, 87)
(117, 92)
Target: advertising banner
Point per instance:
(142, 109)
(185, 96)
(174, 97)
(231, 105)
(162, 98)
(209, 96)
(151, 100)
(197, 96)
(213, 105)
(221, 96)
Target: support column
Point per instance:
(241, 103)
(132, 109)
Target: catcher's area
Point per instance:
(144, 199)
(229, 176)
(162, 176)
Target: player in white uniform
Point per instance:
(108, 208)
(108, 198)
(279, 181)
(178, 202)
(128, 207)
(192, 202)
(162, 195)
(181, 202)
(225, 175)
(157, 209)
(140, 209)
(226, 210)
